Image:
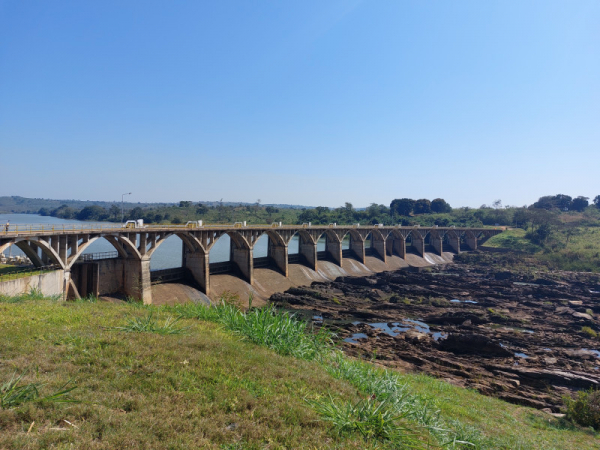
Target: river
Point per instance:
(168, 255)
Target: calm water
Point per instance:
(168, 255)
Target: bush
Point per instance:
(585, 409)
(589, 331)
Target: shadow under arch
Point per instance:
(36, 251)
(239, 261)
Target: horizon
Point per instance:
(316, 103)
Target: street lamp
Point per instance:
(122, 197)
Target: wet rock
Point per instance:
(473, 344)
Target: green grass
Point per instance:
(214, 387)
(513, 239)
(10, 272)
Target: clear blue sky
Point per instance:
(302, 102)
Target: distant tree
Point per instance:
(422, 206)
(114, 212)
(201, 209)
(184, 204)
(497, 204)
(580, 203)
(64, 212)
(439, 205)
(402, 206)
(91, 213)
(545, 202)
(521, 218)
(176, 220)
(563, 202)
(135, 214)
(44, 212)
(597, 201)
(560, 201)
(158, 218)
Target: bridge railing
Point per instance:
(95, 228)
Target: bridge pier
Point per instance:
(399, 247)
(378, 245)
(436, 243)
(454, 242)
(136, 279)
(418, 243)
(279, 255)
(309, 251)
(334, 249)
(243, 258)
(471, 240)
(358, 248)
(198, 264)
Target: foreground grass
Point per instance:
(211, 388)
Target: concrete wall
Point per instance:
(50, 283)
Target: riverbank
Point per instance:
(528, 338)
(203, 387)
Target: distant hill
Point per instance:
(24, 205)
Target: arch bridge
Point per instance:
(64, 246)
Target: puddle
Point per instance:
(455, 300)
(594, 292)
(547, 349)
(395, 328)
(521, 355)
(595, 352)
(519, 330)
(354, 338)
(519, 283)
(317, 318)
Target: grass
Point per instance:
(149, 324)
(10, 272)
(14, 393)
(214, 387)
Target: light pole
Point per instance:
(122, 197)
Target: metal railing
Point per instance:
(86, 257)
(95, 227)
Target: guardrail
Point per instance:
(86, 257)
(91, 228)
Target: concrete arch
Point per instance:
(25, 245)
(114, 240)
(354, 235)
(189, 241)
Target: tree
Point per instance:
(135, 214)
(93, 212)
(597, 201)
(201, 209)
(422, 206)
(580, 203)
(184, 204)
(439, 205)
(114, 212)
(402, 206)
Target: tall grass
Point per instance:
(149, 324)
(33, 294)
(14, 393)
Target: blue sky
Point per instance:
(305, 102)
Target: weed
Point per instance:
(585, 409)
(149, 324)
(370, 418)
(589, 331)
(14, 393)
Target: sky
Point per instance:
(300, 102)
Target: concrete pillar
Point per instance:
(244, 260)
(54, 243)
(73, 243)
(136, 279)
(454, 242)
(279, 255)
(83, 274)
(198, 264)
(334, 249)
(309, 251)
(400, 247)
(378, 247)
(471, 241)
(436, 243)
(358, 248)
(418, 244)
(62, 249)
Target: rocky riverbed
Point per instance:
(526, 338)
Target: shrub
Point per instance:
(585, 409)
(589, 331)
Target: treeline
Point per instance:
(404, 211)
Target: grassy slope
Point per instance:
(143, 390)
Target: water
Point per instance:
(395, 328)
(595, 352)
(521, 355)
(168, 255)
(455, 300)
(354, 338)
